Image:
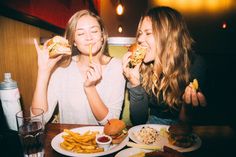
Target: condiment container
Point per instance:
(103, 141)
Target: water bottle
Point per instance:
(10, 98)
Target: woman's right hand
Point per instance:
(45, 63)
(93, 75)
(132, 74)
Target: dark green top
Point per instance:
(141, 102)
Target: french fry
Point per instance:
(143, 146)
(88, 147)
(80, 143)
(194, 84)
(66, 146)
(90, 53)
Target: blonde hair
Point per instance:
(71, 28)
(170, 70)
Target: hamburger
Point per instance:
(116, 129)
(138, 54)
(167, 152)
(181, 135)
(59, 46)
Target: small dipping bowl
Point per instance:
(103, 141)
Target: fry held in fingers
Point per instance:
(194, 84)
(193, 95)
(90, 53)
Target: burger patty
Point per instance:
(120, 134)
(182, 141)
(181, 135)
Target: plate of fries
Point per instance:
(79, 142)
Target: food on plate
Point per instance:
(181, 135)
(116, 129)
(167, 152)
(147, 135)
(194, 84)
(163, 132)
(103, 141)
(59, 46)
(143, 146)
(138, 53)
(140, 154)
(80, 143)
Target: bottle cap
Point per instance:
(8, 83)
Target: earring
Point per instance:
(75, 44)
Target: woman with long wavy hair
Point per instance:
(159, 87)
(90, 90)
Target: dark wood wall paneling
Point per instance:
(18, 54)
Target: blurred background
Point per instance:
(212, 24)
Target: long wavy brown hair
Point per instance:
(169, 74)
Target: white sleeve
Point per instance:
(116, 92)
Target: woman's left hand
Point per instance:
(193, 97)
(94, 75)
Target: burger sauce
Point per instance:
(103, 139)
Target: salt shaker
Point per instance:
(10, 98)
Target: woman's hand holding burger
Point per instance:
(45, 63)
(132, 74)
(131, 63)
(55, 50)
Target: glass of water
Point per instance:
(30, 125)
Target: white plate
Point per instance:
(55, 143)
(129, 151)
(163, 141)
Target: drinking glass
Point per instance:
(30, 125)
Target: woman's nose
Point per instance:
(89, 36)
(141, 38)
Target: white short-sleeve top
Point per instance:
(66, 89)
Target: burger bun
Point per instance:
(116, 129)
(138, 54)
(60, 46)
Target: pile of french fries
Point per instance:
(80, 143)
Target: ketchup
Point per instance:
(103, 139)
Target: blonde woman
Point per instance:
(91, 89)
(159, 86)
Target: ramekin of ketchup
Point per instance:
(103, 141)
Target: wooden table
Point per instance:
(217, 141)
